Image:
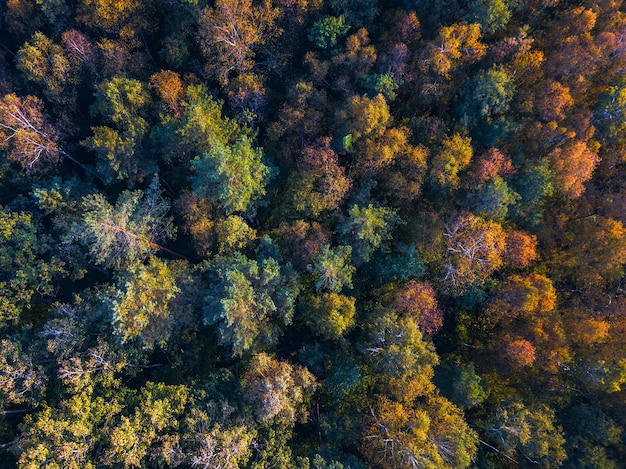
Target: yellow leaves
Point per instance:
(279, 390)
(367, 117)
(230, 32)
(455, 155)
(332, 314)
(457, 43)
(143, 308)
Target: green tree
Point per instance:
(488, 95)
(492, 200)
(150, 303)
(403, 361)
(326, 31)
(121, 102)
(46, 64)
(250, 301)
(529, 431)
(232, 175)
(367, 229)
(22, 381)
(492, 15)
(119, 235)
(333, 268)
(24, 275)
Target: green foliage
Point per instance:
(493, 128)
(460, 384)
(233, 176)
(46, 64)
(21, 380)
(492, 200)
(488, 95)
(150, 304)
(367, 229)
(24, 275)
(402, 263)
(120, 235)
(386, 84)
(250, 301)
(326, 31)
(529, 430)
(121, 102)
(493, 15)
(333, 268)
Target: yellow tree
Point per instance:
(231, 31)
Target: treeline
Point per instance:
(312, 234)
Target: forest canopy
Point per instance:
(312, 234)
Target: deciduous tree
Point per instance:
(26, 132)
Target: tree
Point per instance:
(591, 253)
(150, 304)
(456, 44)
(333, 268)
(433, 435)
(227, 168)
(26, 133)
(418, 299)
(21, 379)
(330, 314)
(487, 96)
(279, 391)
(489, 165)
(365, 117)
(553, 102)
(231, 32)
(121, 235)
(529, 431)
(321, 182)
(403, 361)
(123, 17)
(492, 200)
(24, 275)
(475, 249)
(232, 175)
(168, 85)
(528, 296)
(46, 64)
(150, 430)
(303, 241)
(326, 31)
(492, 15)
(573, 165)
(367, 229)
(250, 301)
(121, 102)
(521, 249)
(454, 156)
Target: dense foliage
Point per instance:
(312, 234)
